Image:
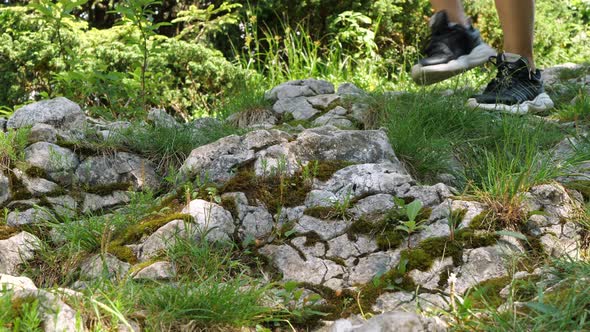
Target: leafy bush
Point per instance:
(104, 69)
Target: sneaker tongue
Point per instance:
(439, 21)
(515, 60)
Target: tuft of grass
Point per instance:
(578, 112)
(235, 302)
(168, 147)
(565, 307)
(201, 259)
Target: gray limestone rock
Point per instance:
(42, 132)
(28, 217)
(63, 205)
(15, 283)
(211, 219)
(108, 266)
(429, 195)
(480, 264)
(121, 167)
(430, 279)
(368, 179)
(299, 107)
(553, 200)
(472, 209)
(160, 118)
(257, 223)
(309, 250)
(205, 122)
(349, 89)
(328, 143)
(218, 160)
(359, 111)
(156, 271)
(256, 119)
(344, 248)
(551, 75)
(5, 194)
(325, 102)
(321, 198)
(298, 88)
(326, 229)
(370, 266)
(562, 240)
(397, 321)
(59, 163)
(410, 302)
(161, 239)
(3, 122)
(373, 207)
(55, 314)
(335, 117)
(58, 112)
(16, 250)
(293, 267)
(35, 186)
(94, 202)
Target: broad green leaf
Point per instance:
(517, 235)
(413, 209)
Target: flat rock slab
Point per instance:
(212, 220)
(16, 250)
(59, 112)
(122, 167)
(218, 160)
(293, 267)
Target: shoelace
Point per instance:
(505, 74)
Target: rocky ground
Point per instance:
(318, 204)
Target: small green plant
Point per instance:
(342, 205)
(412, 225)
(139, 13)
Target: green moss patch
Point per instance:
(486, 221)
(327, 168)
(35, 172)
(346, 302)
(423, 255)
(134, 233)
(487, 294)
(272, 191)
(7, 232)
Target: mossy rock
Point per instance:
(487, 293)
(271, 191)
(35, 172)
(417, 259)
(327, 168)
(122, 253)
(7, 231)
(136, 232)
(486, 221)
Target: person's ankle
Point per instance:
(513, 57)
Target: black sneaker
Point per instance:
(515, 89)
(452, 50)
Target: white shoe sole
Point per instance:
(541, 103)
(425, 75)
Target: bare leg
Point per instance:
(517, 18)
(454, 9)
